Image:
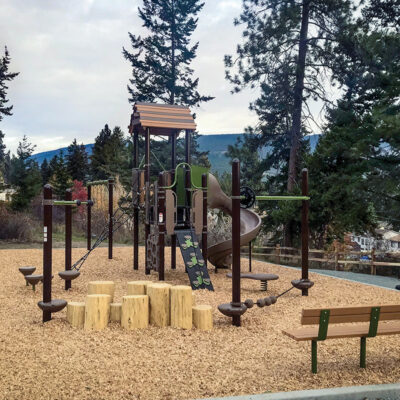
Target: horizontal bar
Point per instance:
(93, 183)
(263, 198)
(72, 202)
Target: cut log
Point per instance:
(115, 312)
(202, 317)
(181, 307)
(76, 313)
(138, 287)
(135, 312)
(97, 311)
(102, 287)
(159, 294)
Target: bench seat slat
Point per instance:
(337, 332)
(315, 312)
(339, 319)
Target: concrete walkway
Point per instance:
(369, 392)
(373, 280)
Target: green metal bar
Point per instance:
(373, 322)
(283, 198)
(363, 352)
(323, 324)
(314, 360)
(181, 165)
(93, 183)
(64, 203)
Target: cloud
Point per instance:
(73, 77)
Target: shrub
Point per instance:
(16, 225)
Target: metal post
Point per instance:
(147, 182)
(47, 247)
(236, 300)
(89, 219)
(188, 184)
(314, 356)
(161, 225)
(135, 198)
(68, 236)
(204, 232)
(110, 217)
(363, 352)
(250, 256)
(304, 229)
(173, 166)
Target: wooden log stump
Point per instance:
(115, 312)
(135, 312)
(202, 317)
(97, 311)
(138, 287)
(76, 313)
(193, 299)
(159, 296)
(181, 307)
(102, 287)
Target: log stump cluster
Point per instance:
(146, 303)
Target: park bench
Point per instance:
(358, 316)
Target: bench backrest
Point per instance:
(349, 314)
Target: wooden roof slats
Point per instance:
(162, 116)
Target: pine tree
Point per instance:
(5, 76)
(77, 161)
(45, 172)
(161, 60)
(98, 158)
(60, 179)
(287, 50)
(25, 175)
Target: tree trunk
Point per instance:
(102, 287)
(135, 312)
(202, 317)
(138, 287)
(76, 313)
(115, 312)
(97, 311)
(295, 131)
(159, 295)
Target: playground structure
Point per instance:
(176, 204)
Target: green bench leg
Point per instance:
(314, 361)
(363, 352)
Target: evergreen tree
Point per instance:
(60, 179)
(2, 155)
(77, 161)
(25, 175)
(287, 50)
(5, 76)
(98, 157)
(45, 172)
(161, 60)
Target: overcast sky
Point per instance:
(73, 77)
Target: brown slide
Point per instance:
(250, 223)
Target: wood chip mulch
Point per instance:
(56, 361)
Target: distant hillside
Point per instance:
(216, 145)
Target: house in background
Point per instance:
(385, 240)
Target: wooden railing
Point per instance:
(335, 257)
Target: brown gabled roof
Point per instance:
(164, 117)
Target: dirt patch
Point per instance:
(55, 361)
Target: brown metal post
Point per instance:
(236, 300)
(89, 218)
(173, 166)
(161, 226)
(135, 198)
(304, 229)
(188, 183)
(250, 256)
(110, 217)
(204, 232)
(68, 236)
(147, 182)
(47, 247)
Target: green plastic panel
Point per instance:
(196, 174)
